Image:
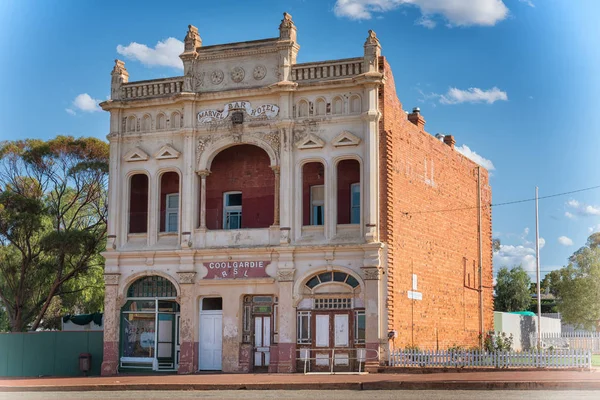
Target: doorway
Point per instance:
(211, 334)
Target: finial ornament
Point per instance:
(192, 39)
(372, 38)
(287, 29)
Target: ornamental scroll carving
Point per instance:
(372, 274)
(186, 277)
(274, 140)
(111, 279)
(202, 143)
(285, 275)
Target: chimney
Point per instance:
(449, 140)
(416, 118)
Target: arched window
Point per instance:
(332, 276)
(348, 192)
(355, 104)
(160, 121)
(313, 194)
(146, 123)
(321, 107)
(169, 202)
(337, 106)
(131, 124)
(138, 204)
(152, 286)
(175, 120)
(302, 108)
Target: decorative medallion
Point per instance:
(216, 76)
(237, 74)
(260, 71)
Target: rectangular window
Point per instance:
(172, 212)
(333, 304)
(355, 203)
(359, 327)
(317, 205)
(303, 326)
(232, 210)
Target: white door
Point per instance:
(262, 341)
(322, 330)
(211, 340)
(342, 330)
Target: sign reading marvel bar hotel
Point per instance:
(236, 269)
(266, 110)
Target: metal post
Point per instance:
(537, 259)
(480, 241)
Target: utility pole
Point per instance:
(480, 245)
(537, 260)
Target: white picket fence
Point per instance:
(475, 358)
(573, 340)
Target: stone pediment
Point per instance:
(135, 154)
(166, 152)
(346, 138)
(311, 141)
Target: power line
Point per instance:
(501, 204)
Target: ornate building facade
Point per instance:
(263, 211)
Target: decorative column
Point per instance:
(276, 205)
(203, 174)
(287, 322)
(110, 361)
(188, 357)
(373, 302)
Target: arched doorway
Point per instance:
(150, 326)
(331, 321)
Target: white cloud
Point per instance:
(528, 2)
(473, 95)
(593, 229)
(84, 102)
(542, 242)
(510, 256)
(426, 22)
(569, 215)
(456, 12)
(164, 54)
(470, 154)
(565, 241)
(581, 209)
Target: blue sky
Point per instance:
(515, 81)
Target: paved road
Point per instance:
(310, 394)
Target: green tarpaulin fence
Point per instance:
(48, 353)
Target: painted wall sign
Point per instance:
(266, 110)
(236, 269)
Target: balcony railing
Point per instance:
(328, 70)
(153, 88)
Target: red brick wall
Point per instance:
(244, 168)
(169, 183)
(439, 247)
(312, 174)
(138, 204)
(348, 172)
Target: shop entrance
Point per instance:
(211, 334)
(260, 328)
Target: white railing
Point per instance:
(136, 90)
(476, 358)
(573, 340)
(330, 357)
(327, 70)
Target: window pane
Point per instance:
(138, 335)
(355, 215)
(172, 224)
(352, 281)
(339, 276)
(317, 193)
(212, 303)
(325, 276)
(140, 305)
(234, 199)
(173, 201)
(360, 327)
(312, 282)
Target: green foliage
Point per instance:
(578, 286)
(52, 228)
(493, 342)
(512, 290)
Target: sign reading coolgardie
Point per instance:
(266, 110)
(236, 269)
